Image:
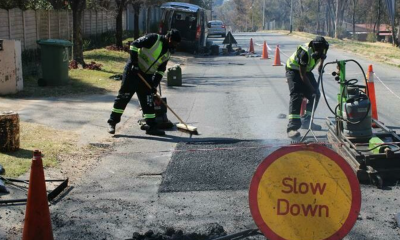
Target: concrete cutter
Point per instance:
(371, 148)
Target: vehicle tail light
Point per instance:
(223, 26)
(161, 28)
(198, 32)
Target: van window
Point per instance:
(185, 23)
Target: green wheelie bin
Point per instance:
(55, 61)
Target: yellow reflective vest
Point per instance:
(293, 64)
(149, 59)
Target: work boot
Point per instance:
(315, 127)
(154, 131)
(111, 128)
(144, 127)
(293, 134)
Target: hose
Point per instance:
(350, 82)
(382, 145)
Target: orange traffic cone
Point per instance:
(265, 51)
(371, 92)
(251, 49)
(37, 215)
(277, 61)
(303, 108)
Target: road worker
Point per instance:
(149, 56)
(302, 83)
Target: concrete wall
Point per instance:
(11, 80)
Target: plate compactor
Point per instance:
(371, 148)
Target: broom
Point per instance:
(181, 126)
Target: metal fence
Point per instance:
(29, 26)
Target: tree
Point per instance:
(77, 6)
(58, 4)
(120, 5)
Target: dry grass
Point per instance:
(49, 141)
(381, 52)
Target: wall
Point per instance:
(29, 26)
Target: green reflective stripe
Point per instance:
(294, 116)
(160, 72)
(118, 110)
(149, 115)
(133, 48)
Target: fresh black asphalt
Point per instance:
(214, 165)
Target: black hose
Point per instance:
(349, 83)
(382, 145)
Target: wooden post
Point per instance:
(9, 131)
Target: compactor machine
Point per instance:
(371, 148)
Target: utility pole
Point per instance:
(211, 5)
(291, 14)
(263, 25)
(337, 19)
(252, 13)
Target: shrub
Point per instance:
(371, 37)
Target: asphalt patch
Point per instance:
(215, 165)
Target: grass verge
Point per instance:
(50, 142)
(81, 81)
(59, 146)
(377, 51)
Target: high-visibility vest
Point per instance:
(292, 62)
(148, 56)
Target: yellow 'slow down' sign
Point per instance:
(304, 192)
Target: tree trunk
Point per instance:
(354, 18)
(331, 20)
(148, 13)
(396, 41)
(77, 7)
(136, 32)
(337, 19)
(118, 27)
(318, 10)
(379, 19)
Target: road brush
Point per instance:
(181, 126)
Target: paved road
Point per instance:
(237, 104)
